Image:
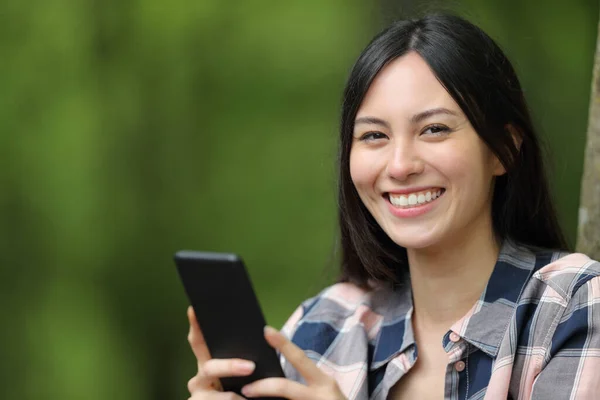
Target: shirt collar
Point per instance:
(486, 323)
(483, 326)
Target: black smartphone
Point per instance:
(228, 312)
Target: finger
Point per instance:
(200, 382)
(194, 384)
(200, 349)
(223, 368)
(216, 396)
(295, 356)
(196, 339)
(278, 387)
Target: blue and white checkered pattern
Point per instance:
(533, 334)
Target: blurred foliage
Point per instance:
(132, 129)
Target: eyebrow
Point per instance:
(372, 121)
(429, 113)
(414, 119)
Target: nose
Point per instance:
(404, 161)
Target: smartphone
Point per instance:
(227, 309)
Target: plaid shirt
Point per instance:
(533, 334)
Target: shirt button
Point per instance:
(454, 337)
(459, 366)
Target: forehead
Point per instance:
(404, 87)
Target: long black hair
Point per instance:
(482, 81)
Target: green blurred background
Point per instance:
(131, 129)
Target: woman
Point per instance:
(447, 288)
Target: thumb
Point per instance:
(196, 339)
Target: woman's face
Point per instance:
(417, 163)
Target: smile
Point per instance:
(416, 199)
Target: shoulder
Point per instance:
(570, 306)
(332, 308)
(337, 329)
(563, 297)
(566, 274)
(341, 312)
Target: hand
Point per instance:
(319, 385)
(205, 385)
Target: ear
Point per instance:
(498, 168)
(517, 137)
(517, 140)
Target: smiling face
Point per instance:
(417, 164)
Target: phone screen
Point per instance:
(228, 312)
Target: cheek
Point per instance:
(469, 170)
(360, 172)
(454, 163)
(464, 158)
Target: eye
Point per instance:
(436, 130)
(372, 136)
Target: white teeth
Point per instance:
(414, 198)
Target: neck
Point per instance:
(448, 280)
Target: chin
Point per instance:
(414, 241)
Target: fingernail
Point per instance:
(245, 366)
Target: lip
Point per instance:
(412, 211)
